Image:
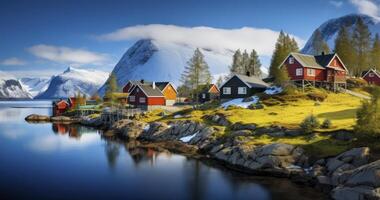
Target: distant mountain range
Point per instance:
(165, 61)
(35, 86)
(331, 28)
(11, 88)
(72, 81)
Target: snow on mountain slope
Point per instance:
(35, 86)
(11, 88)
(164, 61)
(331, 28)
(73, 80)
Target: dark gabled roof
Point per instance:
(324, 60)
(252, 81)
(161, 85)
(364, 73)
(149, 90)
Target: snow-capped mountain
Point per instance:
(11, 88)
(35, 86)
(73, 80)
(331, 28)
(164, 61)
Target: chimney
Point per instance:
(248, 73)
(154, 85)
(142, 81)
(323, 53)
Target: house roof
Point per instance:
(252, 81)
(365, 73)
(161, 85)
(149, 90)
(207, 88)
(60, 101)
(317, 62)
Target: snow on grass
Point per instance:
(273, 90)
(147, 127)
(187, 139)
(239, 102)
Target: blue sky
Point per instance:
(41, 38)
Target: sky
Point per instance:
(41, 38)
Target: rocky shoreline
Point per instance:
(349, 175)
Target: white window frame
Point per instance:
(226, 90)
(132, 98)
(299, 72)
(203, 95)
(142, 100)
(311, 72)
(291, 60)
(242, 90)
(371, 75)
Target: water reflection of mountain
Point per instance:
(73, 130)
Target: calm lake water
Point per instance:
(45, 161)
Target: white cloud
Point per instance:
(13, 61)
(337, 4)
(368, 7)
(67, 55)
(262, 40)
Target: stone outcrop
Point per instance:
(130, 129)
(37, 118)
(360, 183)
(219, 119)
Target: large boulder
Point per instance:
(348, 160)
(130, 129)
(34, 117)
(360, 183)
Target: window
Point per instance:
(137, 90)
(299, 72)
(291, 60)
(203, 96)
(242, 90)
(371, 75)
(142, 100)
(226, 90)
(132, 98)
(311, 72)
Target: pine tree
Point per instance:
(282, 77)
(319, 44)
(254, 64)
(244, 63)
(375, 53)
(236, 66)
(219, 81)
(196, 73)
(344, 48)
(284, 46)
(361, 40)
(111, 87)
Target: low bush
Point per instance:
(271, 102)
(309, 124)
(317, 96)
(326, 124)
(356, 83)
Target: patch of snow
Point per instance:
(147, 127)
(187, 139)
(177, 116)
(239, 102)
(293, 167)
(273, 90)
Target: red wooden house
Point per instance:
(59, 107)
(372, 77)
(146, 96)
(325, 70)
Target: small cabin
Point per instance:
(168, 90)
(322, 70)
(60, 107)
(372, 76)
(242, 86)
(146, 96)
(208, 93)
